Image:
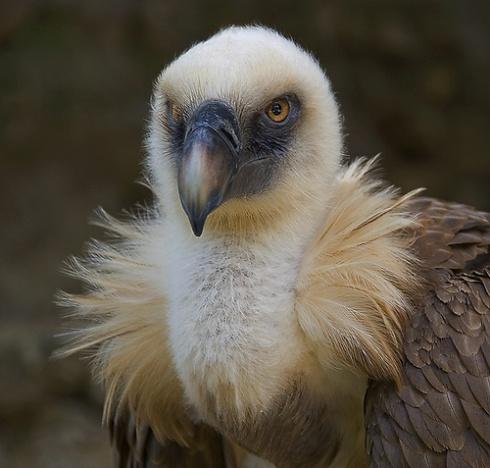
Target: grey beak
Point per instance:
(209, 161)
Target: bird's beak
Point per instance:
(209, 161)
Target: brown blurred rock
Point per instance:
(61, 434)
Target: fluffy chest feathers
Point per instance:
(233, 330)
(270, 338)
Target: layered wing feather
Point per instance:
(440, 414)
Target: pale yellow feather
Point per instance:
(355, 278)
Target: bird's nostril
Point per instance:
(230, 138)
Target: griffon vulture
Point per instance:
(277, 307)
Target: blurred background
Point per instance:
(412, 79)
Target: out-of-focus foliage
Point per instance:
(75, 79)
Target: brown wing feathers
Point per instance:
(137, 447)
(441, 414)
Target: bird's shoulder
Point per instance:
(440, 414)
(450, 236)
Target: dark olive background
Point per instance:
(412, 79)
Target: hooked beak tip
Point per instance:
(198, 215)
(198, 226)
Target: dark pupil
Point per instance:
(276, 108)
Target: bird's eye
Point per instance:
(278, 110)
(175, 111)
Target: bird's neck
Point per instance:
(234, 333)
(231, 307)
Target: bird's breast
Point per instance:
(242, 359)
(233, 330)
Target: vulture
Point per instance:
(277, 306)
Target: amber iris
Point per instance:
(278, 110)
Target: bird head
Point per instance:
(244, 127)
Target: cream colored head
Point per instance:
(252, 168)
